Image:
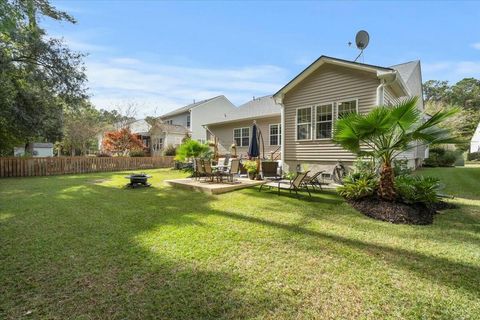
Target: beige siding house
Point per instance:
(236, 128)
(163, 135)
(192, 116)
(328, 89)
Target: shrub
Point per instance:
(473, 156)
(401, 167)
(250, 166)
(360, 183)
(193, 149)
(417, 189)
(439, 157)
(103, 155)
(137, 153)
(170, 150)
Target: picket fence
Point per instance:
(29, 167)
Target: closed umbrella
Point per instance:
(253, 150)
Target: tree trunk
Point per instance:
(386, 189)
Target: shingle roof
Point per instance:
(186, 108)
(406, 69)
(258, 108)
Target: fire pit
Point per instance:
(138, 180)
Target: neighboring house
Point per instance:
(475, 142)
(163, 135)
(236, 128)
(327, 90)
(194, 115)
(36, 149)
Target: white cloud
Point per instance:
(160, 88)
(452, 71)
(476, 45)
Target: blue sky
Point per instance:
(161, 55)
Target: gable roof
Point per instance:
(262, 107)
(326, 59)
(187, 107)
(169, 128)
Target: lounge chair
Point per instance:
(297, 184)
(313, 180)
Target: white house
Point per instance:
(475, 142)
(36, 149)
(194, 115)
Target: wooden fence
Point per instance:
(29, 167)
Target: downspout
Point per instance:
(386, 78)
(380, 93)
(279, 100)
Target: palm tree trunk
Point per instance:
(386, 189)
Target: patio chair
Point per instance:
(270, 171)
(232, 170)
(243, 171)
(209, 174)
(314, 181)
(198, 170)
(297, 184)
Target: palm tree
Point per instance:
(386, 131)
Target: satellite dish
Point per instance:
(361, 39)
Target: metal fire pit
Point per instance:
(138, 180)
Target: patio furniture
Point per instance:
(296, 184)
(232, 171)
(243, 171)
(138, 180)
(314, 181)
(209, 173)
(199, 171)
(270, 170)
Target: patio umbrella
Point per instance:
(253, 150)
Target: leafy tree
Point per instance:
(386, 131)
(121, 141)
(38, 74)
(466, 93)
(436, 90)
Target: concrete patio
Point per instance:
(213, 187)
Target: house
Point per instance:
(475, 142)
(163, 135)
(327, 90)
(236, 128)
(192, 116)
(36, 149)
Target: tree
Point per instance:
(80, 128)
(435, 90)
(466, 93)
(386, 131)
(38, 74)
(121, 141)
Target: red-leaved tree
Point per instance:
(121, 142)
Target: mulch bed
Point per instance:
(398, 212)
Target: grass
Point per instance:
(83, 247)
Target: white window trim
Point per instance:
(296, 124)
(345, 100)
(333, 104)
(279, 134)
(241, 129)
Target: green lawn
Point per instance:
(83, 247)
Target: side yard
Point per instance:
(81, 246)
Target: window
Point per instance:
(346, 107)
(275, 134)
(323, 122)
(169, 122)
(241, 136)
(188, 121)
(304, 124)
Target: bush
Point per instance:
(103, 155)
(417, 189)
(137, 153)
(441, 158)
(170, 150)
(250, 166)
(474, 156)
(357, 188)
(193, 149)
(400, 167)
